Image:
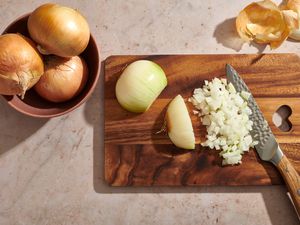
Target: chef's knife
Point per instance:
(267, 147)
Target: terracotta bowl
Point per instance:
(35, 106)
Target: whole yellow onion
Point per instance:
(59, 30)
(21, 65)
(64, 78)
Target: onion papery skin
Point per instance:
(295, 6)
(63, 78)
(21, 65)
(59, 30)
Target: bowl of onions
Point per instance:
(44, 77)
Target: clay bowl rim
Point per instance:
(71, 108)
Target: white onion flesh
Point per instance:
(139, 85)
(179, 124)
(225, 113)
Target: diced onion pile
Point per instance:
(225, 114)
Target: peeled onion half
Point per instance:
(21, 66)
(179, 124)
(59, 30)
(63, 78)
(139, 85)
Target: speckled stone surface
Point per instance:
(51, 171)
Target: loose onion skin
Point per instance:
(21, 65)
(262, 22)
(59, 30)
(295, 6)
(63, 78)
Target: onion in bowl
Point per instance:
(59, 30)
(63, 78)
(21, 65)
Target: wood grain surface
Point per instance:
(136, 156)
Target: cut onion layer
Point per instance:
(179, 124)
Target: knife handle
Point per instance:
(292, 180)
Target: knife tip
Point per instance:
(228, 68)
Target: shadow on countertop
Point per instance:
(226, 34)
(16, 127)
(94, 113)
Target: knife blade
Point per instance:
(267, 148)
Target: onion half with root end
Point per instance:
(21, 65)
(179, 124)
(59, 30)
(139, 85)
(63, 78)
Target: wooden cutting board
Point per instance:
(136, 156)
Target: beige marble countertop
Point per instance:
(51, 171)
